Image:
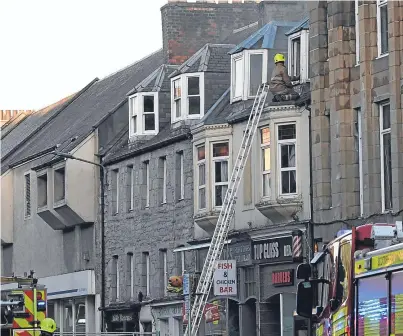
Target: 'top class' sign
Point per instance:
(225, 282)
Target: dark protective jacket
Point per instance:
(280, 82)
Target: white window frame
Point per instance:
(147, 257)
(303, 35)
(164, 180)
(139, 106)
(357, 32)
(182, 177)
(280, 170)
(244, 57)
(165, 270)
(203, 186)
(379, 4)
(360, 160)
(213, 161)
(147, 171)
(131, 272)
(117, 280)
(26, 198)
(131, 168)
(185, 97)
(182, 261)
(382, 132)
(116, 176)
(263, 172)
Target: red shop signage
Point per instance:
(283, 278)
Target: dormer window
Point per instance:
(298, 53)
(249, 70)
(143, 110)
(187, 96)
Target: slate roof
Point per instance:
(157, 81)
(28, 126)
(76, 121)
(303, 25)
(210, 58)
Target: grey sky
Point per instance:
(52, 48)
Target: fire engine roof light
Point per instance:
(342, 232)
(383, 232)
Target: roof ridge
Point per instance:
(60, 109)
(130, 65)
(9, 124)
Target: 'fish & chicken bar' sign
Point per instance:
(273, 250)
(282, 278)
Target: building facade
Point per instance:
(356, 73)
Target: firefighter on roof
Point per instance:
(48, 327)
(280, 82)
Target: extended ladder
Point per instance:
(227, 210)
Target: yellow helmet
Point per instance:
(279, 58)
(48, 325)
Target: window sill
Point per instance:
(27, 217)
(130, 210)
(382, 56)
(59, 204)
(42, 208)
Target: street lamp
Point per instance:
(102, 176)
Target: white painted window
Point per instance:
(117, 278)
(130, 175)
(147, 180)
(298, 51)
(201, 177)
(131, 273)
(147, 264)
(182, 176)
(115, 191)
(249, 71)
(27, 195)
(220, 163)
(358, 145)
(382, 26)
(386, 157)
(164, 180)
(187, 92)
(165, 271)
(286, 141)
(265, 164)
(182, 253)
(357, 33)
(143, 110)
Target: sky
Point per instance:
(53, 48)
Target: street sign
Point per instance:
(225, 282)
(186, 284)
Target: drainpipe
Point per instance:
(102, 181)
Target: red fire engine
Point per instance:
(355, 285)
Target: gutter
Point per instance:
(31, 157)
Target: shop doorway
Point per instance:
(228, 324)
(249, 317)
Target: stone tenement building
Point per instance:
(356, 74)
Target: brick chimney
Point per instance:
(187, 26)
(6, 115)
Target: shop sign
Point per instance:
(211, 313)
(239, 251)
(273, 250)
(122, 317)
(225, 282)
(282, 278)
(167, 311)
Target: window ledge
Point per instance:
(207, 220)
(59, 204)
(280, 210)
(382, 56)
(43, 208)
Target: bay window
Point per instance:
(143, 110)
(187, 96)
(266, 155)
(298, 51)
(201, 168)
(382, 24)
(286, 141)
(220, 160)
(249, 71)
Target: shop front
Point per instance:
(71, 301)
(168, 318)
(122, 318)
(275, 260)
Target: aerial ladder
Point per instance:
(226, 213)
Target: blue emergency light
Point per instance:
(342, 232)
